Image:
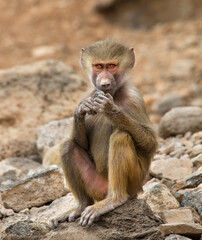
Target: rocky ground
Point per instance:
(32, 193)
(38, 98)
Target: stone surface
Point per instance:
(173, 168)
(181, 120)
(58, 206)
(25, 230)
(3, 211)
(160, 198)
(35, 94)
(197, 161)
(53, 133)
(197, 136)
(194, 179)
(176, 237)
(36, 190)
(180, 194)
(189, 230)
(132, 220)
(170, 101)
(17, 148)
(193, 199)
(196, 150)
(181, 215)
(12, 169)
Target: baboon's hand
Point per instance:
(104, 103)
(85, 107)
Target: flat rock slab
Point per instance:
(133, 220)
(173, 168)
(190, 230)
(36, 190)
(181, 215)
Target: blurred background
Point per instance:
(166, 36)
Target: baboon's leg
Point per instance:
(125, 176)
(82, 178)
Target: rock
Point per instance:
(197, 161)
(42, 78)
(52, 156)
(194, 179)
(193, 199)
(179, 185)
(36, 190)
(180, 194)
(176, 237)
(58, 206)
(180, 120)
(196, 150)
(149, 184)
(25, 230)
(190, 230)
(4, 212)
(14, 169)
(53, 133)
(182, 68)
(181, 215)
(170, 101)
(160, 198)
(132, 220)
(17, 148)
(197, 136)
(173, 168)
(178, 153)
(46, 88)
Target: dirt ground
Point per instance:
(162, 34)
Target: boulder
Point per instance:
(132, 220)
(47, 79)
(36, 190)
(53, 133)
(170, 101)
(181, 120)
(17, 148)
(34, 94)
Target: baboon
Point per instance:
(112, 142)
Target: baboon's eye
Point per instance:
(98, 66)
(111, 66)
